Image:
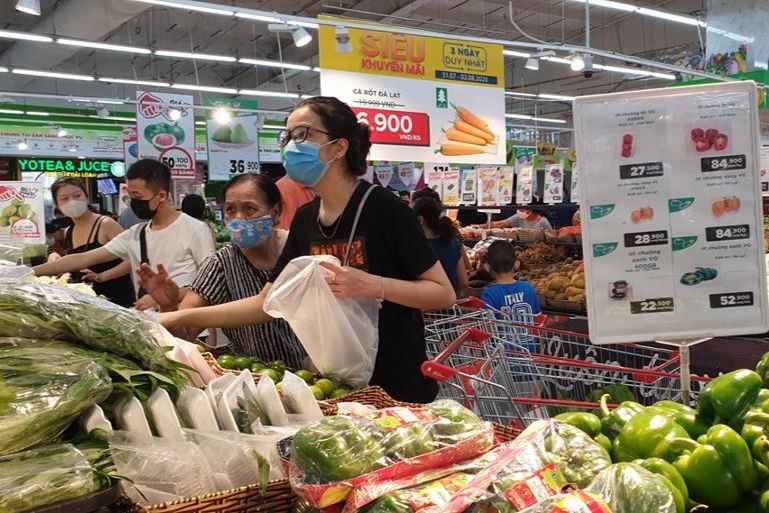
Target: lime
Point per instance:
(326, 385)
(278, 365)
(242, 362)
(317, 392)
(278, 386)
(273, 374)
(339, 392)
(201, 348)
(257, 367)
(226, 361)
(306, 376)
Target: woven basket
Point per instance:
(566, 306)
(529, 235)
(551, 236)
(566, 238)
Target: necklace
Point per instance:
(338, 221)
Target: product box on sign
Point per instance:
(670, 193)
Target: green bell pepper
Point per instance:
(643, 433)
(673, 479)
(612, 421)
(762, 368)
(755, 431)
(684, 416)
(718, 468)
(587, 422)
(728, 397)
(604, 442)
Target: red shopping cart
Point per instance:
(515, 371)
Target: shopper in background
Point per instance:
(442, 237)
(427, 192)
(56, 234)
(326, 148)
(293, 195)
(90, 231)
(239, 270)
(525, 217)
(128, 218)
(170, 238)
(405, 197)
(195, 206)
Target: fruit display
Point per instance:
(563, 281)
(16, 211)
(231, 135)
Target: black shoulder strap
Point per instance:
(143, 245)
(94, 237)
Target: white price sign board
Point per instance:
(232, 147)
(553, 184)
(765, 171)
(524, 185)
(451, 187)
(164, 136)
(22, 213)
(487, 186)
(672, 220)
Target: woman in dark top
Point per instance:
(442, 237)
(90, 231)
(326, 148)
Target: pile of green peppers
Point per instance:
(714, 457)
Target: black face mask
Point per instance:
(141, 208)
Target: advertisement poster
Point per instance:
(164, 136)
(575, 191)
(383, 173)
(435, 181)
(22, 214)
(487, 186)
(43, 141)
(125, 198)
(524, 185)
(130, 146)
(451, 187)
(672, 224)
(469, 187)
(553, 184)
(425, 98)
(765, 171)
(505, 186)
(522, 156)
(232, 146)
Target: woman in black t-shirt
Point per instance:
(326, 148)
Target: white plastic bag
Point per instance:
(341, 336)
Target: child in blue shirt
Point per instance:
(516, 299)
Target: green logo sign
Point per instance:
(441, 98)
(86, 168)
(679, 204)
(599, 211)
(680, 243)
(117, 169)
(604, 248)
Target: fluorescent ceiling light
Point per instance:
(11, 34)
(303, 24)
(513, 53)
(51, 74)
(257, 17)
(192, 7)
(549, 120)
(37, 113)
(305, 96)
(196, 56)
(96, 100)
(276, 64)
(688, 20)
(3, 69)
(151, 83)
(635, 71)
(103, 46)
(611, 5)
(518, 116)
(200, 123)
(61, 133)
(277, 94)
(524, 95)
(192, 87)
(28, 6)
(547, 96)
(11, 111)
(22, 145)
(111, 118)
(559, 60)
(316, 69)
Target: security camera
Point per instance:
(587, 73)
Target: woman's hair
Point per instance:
(259, 182)
(66, 180)
(194, 206)
(340, 122)
(430, 211)
(426, 192)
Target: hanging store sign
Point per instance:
(81, 168)
(163, 135)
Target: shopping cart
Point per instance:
(516, 371)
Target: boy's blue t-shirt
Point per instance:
(518, 301)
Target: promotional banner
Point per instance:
(164, 138)
(232, 146)
(425, 98)
(672, 214)
(22, 214)
(553, 184)
(43, 141)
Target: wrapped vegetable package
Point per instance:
(44, 476)
(48, 393)
(332, 456)
(630, 488)
(577, 501)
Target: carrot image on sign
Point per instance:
(469, 134)
(453, 134)
(452, 149)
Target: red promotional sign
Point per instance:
(396, 127)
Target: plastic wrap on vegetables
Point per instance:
(43, 476)
(35, 310)
(431, 497)
(630, 488)
(47, 393)
(577, 501)
(335, 454)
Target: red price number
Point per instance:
(396, 127)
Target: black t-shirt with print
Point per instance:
(388, 243)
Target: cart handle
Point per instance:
(436, 370)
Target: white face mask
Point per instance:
(74, 208)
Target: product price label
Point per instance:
(243, 166)
(734, 232)
(646, 170)
(390, 127)
(727, 163)
(656, 238)
(656, 305)
(179, 161)
(731, 299)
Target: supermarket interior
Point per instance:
(403, 256)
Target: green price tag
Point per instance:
(681, 243)
(604, 248)
(599, 211)
(679, 204)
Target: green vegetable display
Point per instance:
(337, 448)
(755, 432)
(435, 494)
(454, 423)
(642, 434)
(729, 396)
(762, 368)
(685, 416)
(612, 421)
(587, 422)
(672, 478)
(408, 441)
(630, 488)
(718, 468)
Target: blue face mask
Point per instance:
(251, 233)
(302, 162)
